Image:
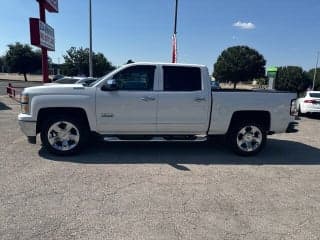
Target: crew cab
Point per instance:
(152, 102)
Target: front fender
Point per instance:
(84, 102)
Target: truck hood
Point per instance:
(55, 89)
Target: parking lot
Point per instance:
(159, 191)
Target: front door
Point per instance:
(131, 109)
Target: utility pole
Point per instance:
(176, 18)
(174, 37)
(90, 40)
(315, 72)
(58, 70)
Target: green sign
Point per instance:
(272, 72)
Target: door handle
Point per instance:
(147, 98)
(200, 99)
(151, 98)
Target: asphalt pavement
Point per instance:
(159, 191)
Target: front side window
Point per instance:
(181, 78)
(138, 78)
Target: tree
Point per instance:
(77, 63)
(262, 81)
(1, 64)
(292, 78)
(22, 59)
(317, 81)
(238, 64)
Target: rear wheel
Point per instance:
(64, 135)
(247, 138)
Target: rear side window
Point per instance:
(315, 95)
(180, 79)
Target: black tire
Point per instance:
(80, 129)
(299, 111)
(257, 131)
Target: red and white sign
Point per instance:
(42, 35)
(51, 5)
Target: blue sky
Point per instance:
(286, 32)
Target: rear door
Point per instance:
(184, 101)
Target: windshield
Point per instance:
(103, 77)
(94, 82)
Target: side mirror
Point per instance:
(110, 85)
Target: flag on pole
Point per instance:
(174, 48)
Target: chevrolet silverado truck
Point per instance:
(153, 102)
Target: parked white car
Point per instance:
(76, 80)
(309, 103)
(153, 102)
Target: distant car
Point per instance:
(309, 103)
(75, 80)
(215, 85)
(57, 77)
(86, 81)
(68, 80)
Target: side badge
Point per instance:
(107, 115)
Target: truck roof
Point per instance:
(167, 64)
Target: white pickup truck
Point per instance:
(152, 102)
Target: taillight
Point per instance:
(310, 101)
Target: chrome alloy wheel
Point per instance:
(63, 136)
(249, 138)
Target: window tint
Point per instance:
(139, 78)
(315, 95)
(181, 78)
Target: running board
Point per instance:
(198, 138)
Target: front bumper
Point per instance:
(311, 110)
(28, 128)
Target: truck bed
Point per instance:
(226, 102)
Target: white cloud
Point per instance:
(244, 25)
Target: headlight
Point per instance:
(25, 103)
(24, 98)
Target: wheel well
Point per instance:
(45, 113)
(261, 117)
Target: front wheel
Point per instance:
(63, 135)
(247, 139)
(299, 111)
